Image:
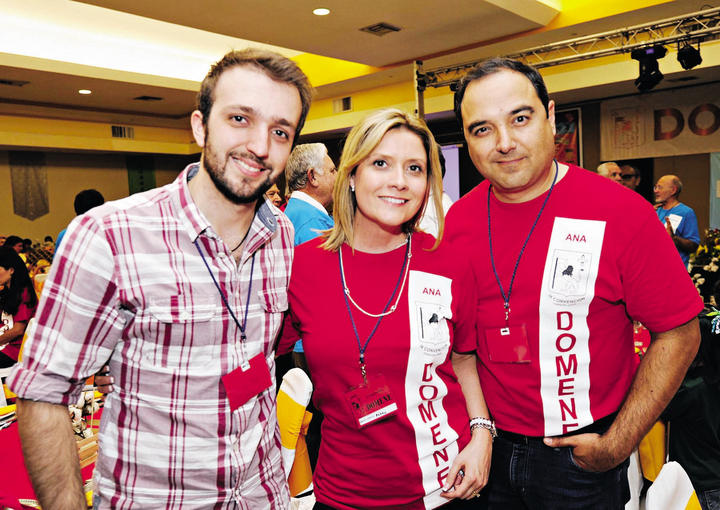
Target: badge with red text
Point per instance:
(241, 385)
(508, 344)
(371, 402)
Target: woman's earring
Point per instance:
(352, 188)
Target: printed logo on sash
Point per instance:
(570, 271)
(433, 329)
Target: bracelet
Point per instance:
(483, 423)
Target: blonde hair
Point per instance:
(361, 141)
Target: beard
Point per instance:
(233, 192)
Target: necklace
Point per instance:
(242, 241)
(403, 274)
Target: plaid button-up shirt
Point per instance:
(129, 286)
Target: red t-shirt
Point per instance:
(24, 314)
(597, 258)
(400, 462)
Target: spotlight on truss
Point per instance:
(650, 74)
(688, 56)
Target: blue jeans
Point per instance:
(710, 499)
(528, 475)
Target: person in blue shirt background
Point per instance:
(679, 219)
(310, 175)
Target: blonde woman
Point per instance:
(385, 313)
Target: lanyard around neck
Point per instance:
(506, 298)
(242, 326)
(361, 347)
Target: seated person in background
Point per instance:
(48, 244)
(694, 414)
(14, 242)
(84, 201)
(679, 220)
(611, 170)
(17, 304)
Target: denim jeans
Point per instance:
(710, 499)
(528, 475)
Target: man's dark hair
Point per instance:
(87, 199)
(276, 66)
(495, 65)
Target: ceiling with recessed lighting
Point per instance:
(123, 50)
(425, 26)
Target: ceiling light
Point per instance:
(84, 91)
(322, 11)
(689, 57)
(650, 74)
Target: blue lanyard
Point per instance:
(224, 298)
(361, 347)
(506, 298)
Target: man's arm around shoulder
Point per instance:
(50, 453)
(657, 379)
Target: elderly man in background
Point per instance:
(310, 175)
(611, 170)
(679, 219)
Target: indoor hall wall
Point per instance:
(694, 172)
(69, 173)
(168, 167)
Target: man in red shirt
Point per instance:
(564, 262)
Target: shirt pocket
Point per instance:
(186, 333)
(274, 302)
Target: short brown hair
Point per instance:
(273, 64)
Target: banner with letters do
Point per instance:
(667, 123)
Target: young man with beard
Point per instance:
(565, 260)
(181, 290)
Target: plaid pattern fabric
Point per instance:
(128, 285)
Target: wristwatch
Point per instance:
(483, 423)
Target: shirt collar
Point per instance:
(301, 195)
(195, 221)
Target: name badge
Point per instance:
(371, 402)
(244, 383)
(508, 344)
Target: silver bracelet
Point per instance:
(483, 423)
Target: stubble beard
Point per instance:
(219, 178)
